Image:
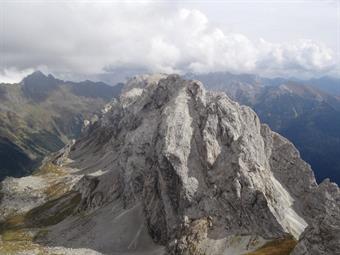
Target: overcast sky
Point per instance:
(270, 38)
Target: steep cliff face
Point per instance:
(173, 169)
(305, 112)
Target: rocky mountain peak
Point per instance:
(36, 73)
(37, 86)
(171, 168)
(37, 76)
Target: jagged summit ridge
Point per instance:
(203, 148)
(173, 169)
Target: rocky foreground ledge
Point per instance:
(170, 168)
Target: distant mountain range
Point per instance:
(306, 112)
(40, 114)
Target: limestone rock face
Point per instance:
(323, 233)
(173, 169)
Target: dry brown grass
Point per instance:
(19, 232)
(56, 189)
(14, 222)
(276, 247)
(50, 168)
(15, 241)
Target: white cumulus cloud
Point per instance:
(78, 37)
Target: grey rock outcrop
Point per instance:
(173, 169)
(188, 154)
(322, 236)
